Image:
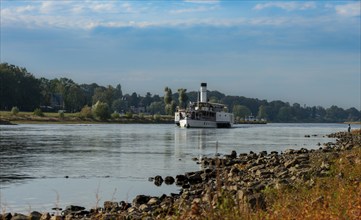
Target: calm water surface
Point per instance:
(114, 162)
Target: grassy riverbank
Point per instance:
(7, 117)
(335, 194)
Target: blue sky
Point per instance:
(296, 51)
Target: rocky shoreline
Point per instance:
(243, 177)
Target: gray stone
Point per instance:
(35, 215)
(109, 205)
(158, 180)
(169, 180)
(45, 216)
(153, 201)
(140, 199)
(18, 216)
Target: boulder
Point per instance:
(74, 208)
(169, 180)
(45, 216)
(6, 216)
(140, 200)
(18, 216)
(35, 215)
(181, 180)
(158, 180)
(153, 201)
(109, 205)
(124, 205)
(195, 178)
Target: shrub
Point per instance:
(86, 112)
(38, 112)
(156, 117)
(15, 110)
(129, 115)
(115, 115)
(61, 114)
(101, 110)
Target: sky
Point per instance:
(305, 52)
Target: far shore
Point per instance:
(7, 118)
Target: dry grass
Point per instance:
(337, 196)
(334, 197)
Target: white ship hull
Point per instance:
(191, 123)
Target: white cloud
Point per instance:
(351, 9)
(288, 6)
(48, 7)
(102, 7)
(192, 10)
(202, 1)
(26, 8)
(80, 15)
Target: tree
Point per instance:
(167, 95)
(18, 88)
(101, 110)
(284, 114)
(133, 100)
(169, 104)
(262, 114)
(241, 111)
(353, 114)
(120, 105)
(336, 114)
(156, 108)
(118, 92)
(74, 99)
(183, 98)
(170, 108)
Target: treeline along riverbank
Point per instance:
(23, 90)
(296, 184)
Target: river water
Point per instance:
(43, 166)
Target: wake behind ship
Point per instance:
(204, 114)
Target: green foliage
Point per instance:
(86, 112)
(101, 110)
(262, 113)
(38, 112)
(18, 88)
(61, 114)
(14, 110)
(156, 117)
(129, 115)
(167, 96)
(183, 98)
(156, 108)
(119, 105)
(241, 111)
(115, 115)
(285, 114)
(170, 108)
